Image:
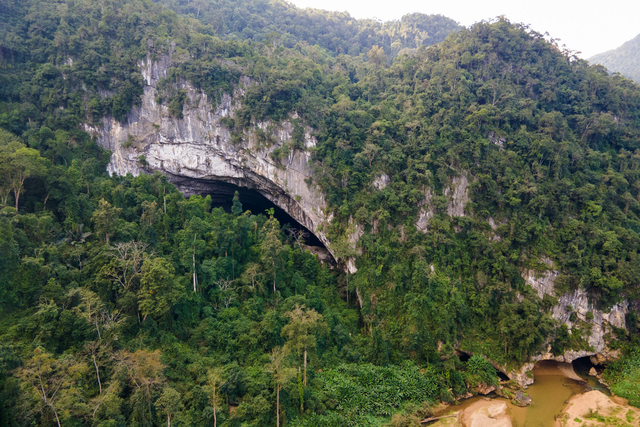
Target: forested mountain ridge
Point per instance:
(624, 60)
(336, 32)
(456, 176)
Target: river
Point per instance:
(554, 384)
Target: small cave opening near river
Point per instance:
(222, 197)
(591, 373)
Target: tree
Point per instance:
(104, 218)
(282, 374)
(126, 267)
(8, 145)
(216, 379)
(370, 151)
(236, 208)
(22, 163)
(90, 308)
(52, 381)
(377, 56)
(160, 289)
(144, 372)
(301, 331)
(170, 402)
(227, 291)
(191, 243)
(271, 248)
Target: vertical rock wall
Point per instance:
(198, 149)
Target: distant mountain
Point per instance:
(625, 59)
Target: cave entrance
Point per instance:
(222, 196)
(591, 373)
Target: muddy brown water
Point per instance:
(554, 384)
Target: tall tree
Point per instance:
(281, 374)
(23, 163)
(170, 402)
(216, 379)
(301, 332)
(272, 248)
(160, 289)
(52, 381)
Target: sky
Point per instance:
(586, 26)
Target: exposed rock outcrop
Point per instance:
(381, 181)
(426, 212)
(457, 194)
(197, 151)
(573, 302)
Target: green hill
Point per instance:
(336, 32)
(124, 303)
(624, 60)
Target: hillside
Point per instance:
(338, 33)
(624, 60)
(478, 200)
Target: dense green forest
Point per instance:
(624, 60)
(123, 303)
(336, 32)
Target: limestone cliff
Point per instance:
(197, 151)
(600, 323)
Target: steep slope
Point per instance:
(283, 23)
(624, 60)
(481, 195)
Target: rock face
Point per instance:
(457, 195)
(577, 302)
(197, 151)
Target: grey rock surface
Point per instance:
(576, 301)
(197, 151)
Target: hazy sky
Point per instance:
(587, 26)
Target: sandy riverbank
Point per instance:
(483, 412)
(555, 384)
(596, 409)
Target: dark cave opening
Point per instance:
(462, 355)
(502, 376)
(222, 196)
(583, 365)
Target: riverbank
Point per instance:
(594, 408)
(555, 383)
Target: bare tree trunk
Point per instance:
(215, 418)
(98, 329)
(277, 405)
(359, 297)
(56, 414)
(97, 372)
(168, 420)
(194, 262)
(305, 365)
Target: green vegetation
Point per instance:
(624, 60)
(280, 23)
(122, 303)
(624, 376)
